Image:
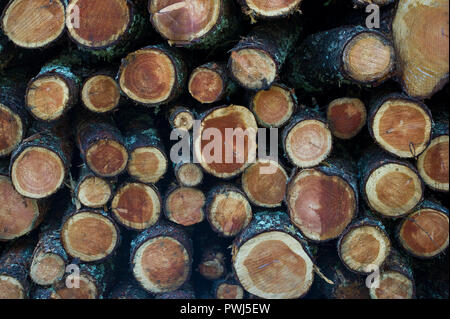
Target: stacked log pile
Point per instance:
(224, 149)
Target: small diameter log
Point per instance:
(102, 146)
(105, 28)
(210, 83)
(182, 118)
(14, 266)
(89, 235)
(227, 288)
(136, 206)
(266, 9)
(228, 210)
(188, 174)
(433, 163)
(153, 75)
(128, 290)
(271, 260)
(364, 245)
(18, 215)
(423, 64)
(391, 187)
(256, 60)
(212, 264)
(184, 205)
(307, 139)
(264, 183)
(93, 191)
(346, 116)
(425, 232)
(161, 258)
(33, 24)
(200, 24)
(40, 164)
(400, 125)
(274, 107)
(225, 142)
(322, 201)
(100, 93)
(396, 279)
(338, 56)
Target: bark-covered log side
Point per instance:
(128, 290)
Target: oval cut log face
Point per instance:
(272, 7)
(33, 24)
(273, 107)
(433, 164)
(347, 116)
(94, 192)
(161, 264)
(107, 158)
(17, 213)
(425, 233)
(184, 20)
(190, 174)
(185, 206)
(147, 164)
(86, 290)
(100, 93)
(393, 285)
(228, 291)
(274, 265)
(321, 206)
(97, 24)
(10, 288)
(205, 85)
(47, 269)
(11, 130)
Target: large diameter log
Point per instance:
(338, 56)
(433, 163)
(423, 63)
(307, 139)
(153, 75)
(184, 205)
(270, 258)
(391, 187)
(100, 92)
(228, 210)
(91, 190)
(128, 290)
(257, 59)
(264, 183)
(136, 206)
(161, 258)
(225, 143)
(347, 116)
(102, 146)
(266, 9)
(400, 125)
(33, 24)
(425, 232)
(14, 266)
(89, 235)
(200, 24)
(188, 174)
(322, 201)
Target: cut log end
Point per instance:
(402, 127)
(97, 24)
(147, 164)
(321, 206)
(393, 190)
(368, 58)
(433, 164)
(274, 265)
(277, 8)
(347, 116)
(212, 265)
(425, 233)
(189, 174)
(136, 206)
(11, 288)
(273, 107)
(229, 291)
(308, 143)
(48, 97)
(362, 247)
(11, 130)
(33, 24)
(264, 182)
(183, 120)
(253, 69)
(148, 76)
(37, 172)
(47, 269)
(86, 290)
(206, 85)
(393, 285)
(89, 236)
(184, 206)
(94, 192)
(18, 215)
(107, 158)
(184, 21)
(161, 264)
(100, 94)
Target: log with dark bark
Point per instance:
(364, 3)
(91, 190)
(343, 55)
(128, 290)
(212, 263)
(161, 258)
(188, 173)
(271, 259)
(7, 51)
(266, 9)
(346, 116)
(227, 288)
(184, 205)
(181, 117)
(100, 92)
